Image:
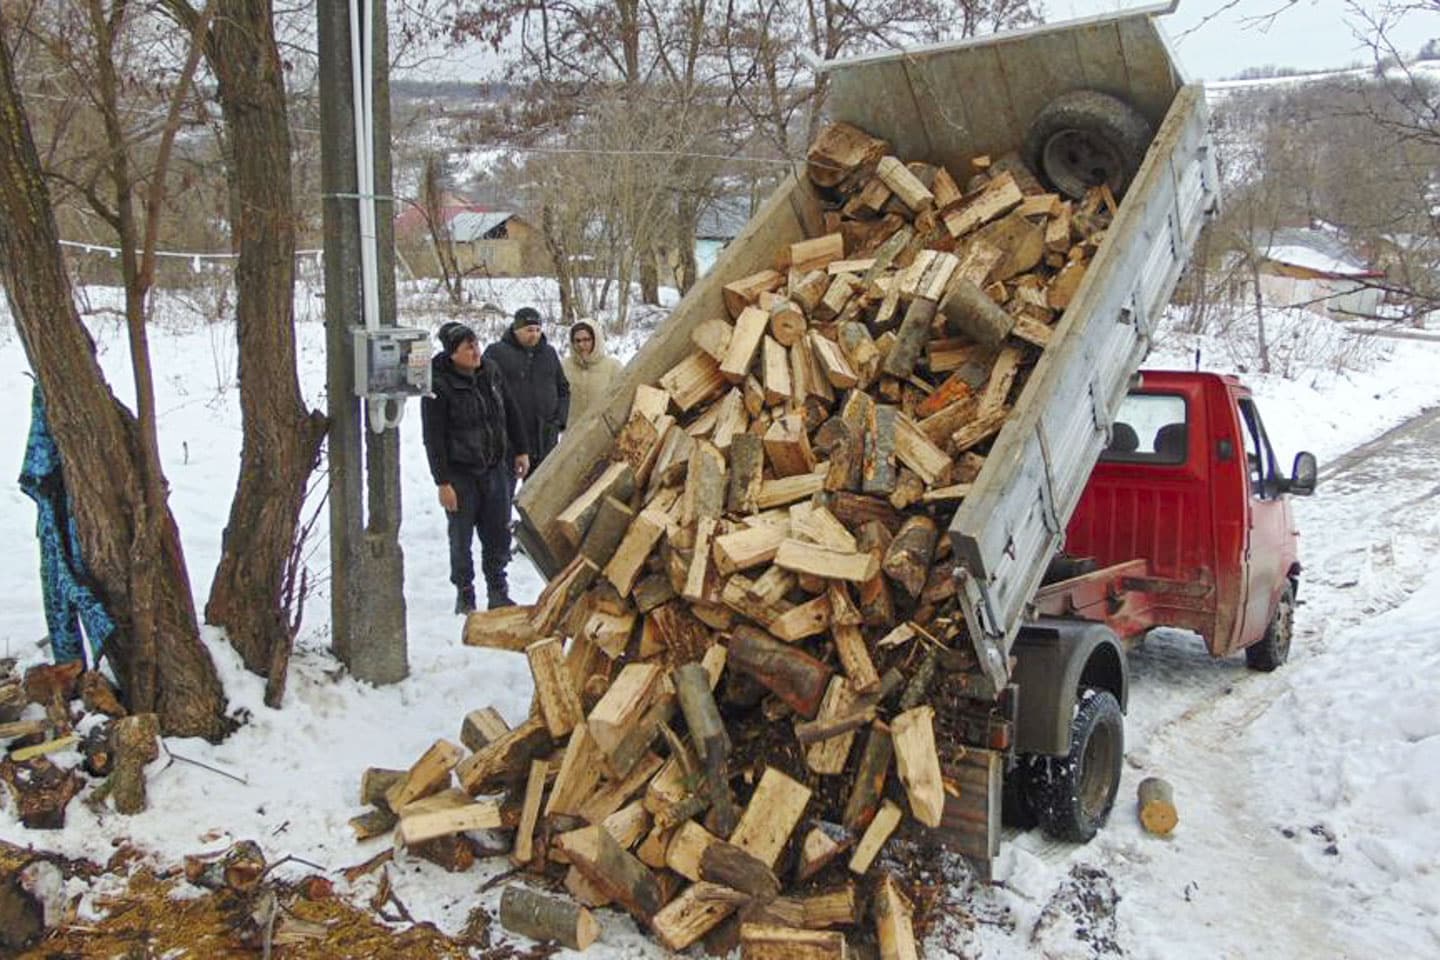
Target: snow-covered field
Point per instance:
(1308, 797)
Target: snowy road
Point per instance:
(1300, 792)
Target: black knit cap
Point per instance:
(453, 334)
(525, 317)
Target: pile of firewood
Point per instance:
(115, 749)
(760, 610)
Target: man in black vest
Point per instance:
(535, 380)
(476, 443)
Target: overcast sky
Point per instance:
(1216, 38)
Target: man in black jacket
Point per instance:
(476, 442)
(535, 380)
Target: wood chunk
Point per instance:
(750, 327)
(559, 700)
(731, 418)
(982, 428)
(609, 799)
(779, 492)
(623, 705)
(713, 337)
(704, 494)
(918, 763)
(948, 494)
(539, 917)
(838, 907)
(876, 604)
(904, 184)
(748, 547)
(816, 253)
(1156, 801)
(694, 380)
(915, 449)
(789, 672)
(770, 817)
(882, 825)
(998, 197)
(775, 370)
(1022, 241)
(708, 734)
(942, 425)
(828, 756)
(967, 310)
(787, 446)
(746, 291)
(842, 154)
(630, 556)
(507, 628)
(855, 657)
(372, 823)
(877, 473)
(429, 774)
(928, 276)
(638, 444)
(695, 577)
(687, 847)
(747, 463)
(868, 788)
(375, 781)
(1032, 331)
(768, 942)
(618, 481)
(819, 526)
(579, 773)
(822, 845)
(700, 908)
(444, 814)
(560, 595)
(893, 924)
(612, 520)
(505, 760)
(907, 561)
(728, 865)
(614, 871)
(802, 557)
(911, 338)
(479, 728)
(1002, 378)
(807, 619)
(675, 449)
(524, 850)
(1057, 231)
(833, 363)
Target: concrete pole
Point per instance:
(367, 602)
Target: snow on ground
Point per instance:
(1340, 749)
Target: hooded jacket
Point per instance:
(470, 423)
(590, 377)
(537, 385)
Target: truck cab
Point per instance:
(1190, 483)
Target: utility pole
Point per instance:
(367, 603)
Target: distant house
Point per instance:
(496, 243)
(1316, 270)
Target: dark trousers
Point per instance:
(483, 508)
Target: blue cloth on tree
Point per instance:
(69, 601)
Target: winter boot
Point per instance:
(465, 599)
(497, 593)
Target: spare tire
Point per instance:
(1086, 138)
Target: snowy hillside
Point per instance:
(1307, 797)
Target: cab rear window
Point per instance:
(1150, 428)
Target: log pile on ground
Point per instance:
(745, 670)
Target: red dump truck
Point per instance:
(1059, 563)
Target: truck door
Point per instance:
(1269, 521)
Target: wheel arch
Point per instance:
(1055, 660)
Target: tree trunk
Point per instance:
(555, 246)
(649, 274)
(143, 585)
(281, 438)
(687, 218)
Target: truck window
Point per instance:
(1150, 428)
(1259, 458)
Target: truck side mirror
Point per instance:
(1303, 474)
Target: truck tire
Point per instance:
(1077, 793)
(1086, 138)
(1273, 649)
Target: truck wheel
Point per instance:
(1084, 139)
(1273, 649)
(1080, 788)
(1019, 797)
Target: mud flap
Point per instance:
(970, 821)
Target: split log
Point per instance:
(40, 790)
(786, 490)
(918, 763)
(907, 561)
(539, 917)
(807, 558)
(136, 744)
(622, 707)
(768, 942)
(744, 292)
(917, 451)
(747, 462)
(904, 184)
(609, 801)
(893, 912)
(730, 866)
(750, 327)
(443, 814)
(561, 594)
(614, 871)
(842, 154)
(787, 323)
(708, 734)
(770, 817)
(842, 289)
(882, 825)
(694, 380)
(816, 253)
(910, 340)
(822, 846)
(968, 311)
(877, 473)
(554, 688)
(695, 577)
(775, 371)
(854, 656)
(506, 628)
(869, 783)
(505, 760)
(877, 604)
(617, 480)
(1157, 806)
(787, 447)
(982, 428)
(998, 197)
(686, 849)
(700, 908)
(834, 364)
(807, 619)
(704, 494)
(747, 548)
(612, 520)
(827, 757)
(789, 672)
(479, 729)
(372, 823)
(809, 290)
(629, 557)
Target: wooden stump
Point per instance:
(1157, 806)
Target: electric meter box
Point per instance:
(392, 362)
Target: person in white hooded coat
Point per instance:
(589, 368)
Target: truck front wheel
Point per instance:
(1078, 790)
(1273, 649)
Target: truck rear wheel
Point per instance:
(1273, 649)
(1077, 793)
(1086, 138)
